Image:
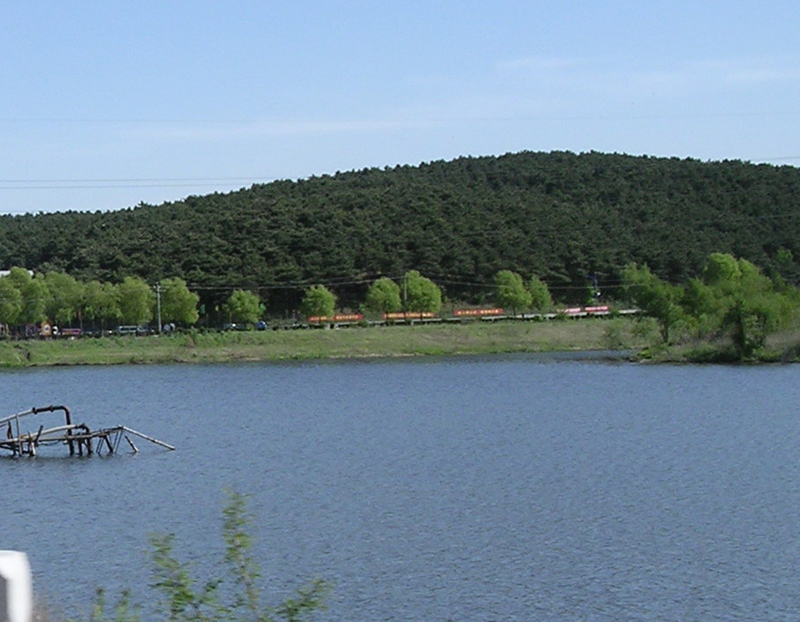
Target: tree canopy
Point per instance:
(243, 306)
(318, 301)
(383, 296)
(733, 298)
(511, 291)
(178, 304)
(135, 301)
(560, 215)
(421, 294)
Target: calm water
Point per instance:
(475, 489)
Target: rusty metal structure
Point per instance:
(78, 437)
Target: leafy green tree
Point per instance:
(722, 271)
(427, 217)
(19, 277)
(654, 297)
(101, 302)
(34, 292)
(318, 301)
(700, 299)
(383, 296)
(421, 294)
(511, 291)
(243, 306)
(540, 294)
(702, 305)
(65, 297)
(136, 300)
(748, 303)
(10, 302)
(178, 304)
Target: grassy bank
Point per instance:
(418, 340)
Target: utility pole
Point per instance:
(158, 305)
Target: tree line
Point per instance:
(565, 217)
(732, 300)
(30, 299)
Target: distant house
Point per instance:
(7, 272)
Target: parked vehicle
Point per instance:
(131, 330)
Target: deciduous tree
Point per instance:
(510, 291)
(178, 304)
(10, 302)
(749, 306)
(541, 299)
(654, 297)
(101, 303)
(243, 306)
(383, 296)
(421, 294)
(35, 295)
(318, 301)
(136, 300)
(65, 297)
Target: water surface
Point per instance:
(527, 487)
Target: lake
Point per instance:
(529, 487)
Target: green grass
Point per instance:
(383, 341)
(375, 341)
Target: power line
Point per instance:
(122, 183)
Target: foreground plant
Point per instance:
(183, 601)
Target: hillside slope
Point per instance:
(561, 216)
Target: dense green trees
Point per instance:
(513, 293)
(27, 300)
(10, 302)
(34, 292)
(654, 297)
(64, 297)
(101, 304)
(733, 298)
(561, 216)
(748, 304)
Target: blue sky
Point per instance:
(109, 104)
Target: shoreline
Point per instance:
(623, 335)
(196, 346)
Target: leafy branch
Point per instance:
(183, 600)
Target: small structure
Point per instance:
(77, 436)
(16, 587)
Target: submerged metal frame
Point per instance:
(78, 437)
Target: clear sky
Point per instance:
(106, 103)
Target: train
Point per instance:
(457, 315)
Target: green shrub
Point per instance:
(181, 600)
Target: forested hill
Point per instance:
(560, 216)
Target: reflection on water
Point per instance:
(503, 488)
